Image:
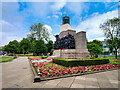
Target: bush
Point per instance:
(43, 57)
(10, 54)
(96, 56)
(91, 57)
(80, 62)
(115, 63)
(51, 51)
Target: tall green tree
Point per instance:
(39, 32)
(111, 29)
(39, 47)
(98, 43)
(12, 47)
(50, 45)
(95, 48)
(24, 45)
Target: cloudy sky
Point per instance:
(17, 17)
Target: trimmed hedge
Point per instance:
(43, 57)
(80, 62)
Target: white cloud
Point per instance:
(52, 37)
(7, 37)
(56, 16)
(48, 28)
(4, 22)
(39, 9)
(91, 25)
(60, 13)
(58, 5)
(76, 7)
(48, 16)
(100, 39)
(11, 32)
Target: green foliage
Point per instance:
(115, 63)
(50, 45)
(80, 62)
(39, 47)
(34, 43)
(91, 57)
(43, 57)
(24, 46)
(12, 47)
(51, 52)
(95, 48)
(38, 32)
(38, 57)
(112, 32)
(7, 59)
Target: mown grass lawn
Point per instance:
(37, 57)
(113, 60)
(30, 54)
(7, 59)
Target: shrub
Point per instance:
(115, 63)
(43, 57)
(91, 57)
(96, 56)
(51, 51)
(80, 62)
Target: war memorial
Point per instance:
(69, 44)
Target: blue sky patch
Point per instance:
(17, 17)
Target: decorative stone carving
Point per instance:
(66, 42)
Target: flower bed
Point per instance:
(51, 70)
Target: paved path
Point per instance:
(18, 74)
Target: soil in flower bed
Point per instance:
(50, 70)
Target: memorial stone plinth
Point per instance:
(69, 44)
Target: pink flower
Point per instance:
(87, 69)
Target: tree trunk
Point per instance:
(116, 53)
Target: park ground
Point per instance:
(18, 74)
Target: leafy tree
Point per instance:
(112, 32)
(12, 47)
(31, 38)
(39, 47)
(24, 45)
(16, 43)
(32, 42)
(51, 51)
(95, 48)
(98, 43)
(39, 32)
(50, 45)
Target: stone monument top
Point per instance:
(65, 23)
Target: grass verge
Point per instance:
(37, 57)
(7, 59)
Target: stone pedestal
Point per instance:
(56, 53)
(80, 40)
(80, 51)
(65, 33)
(65, 27)
(81, 45)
